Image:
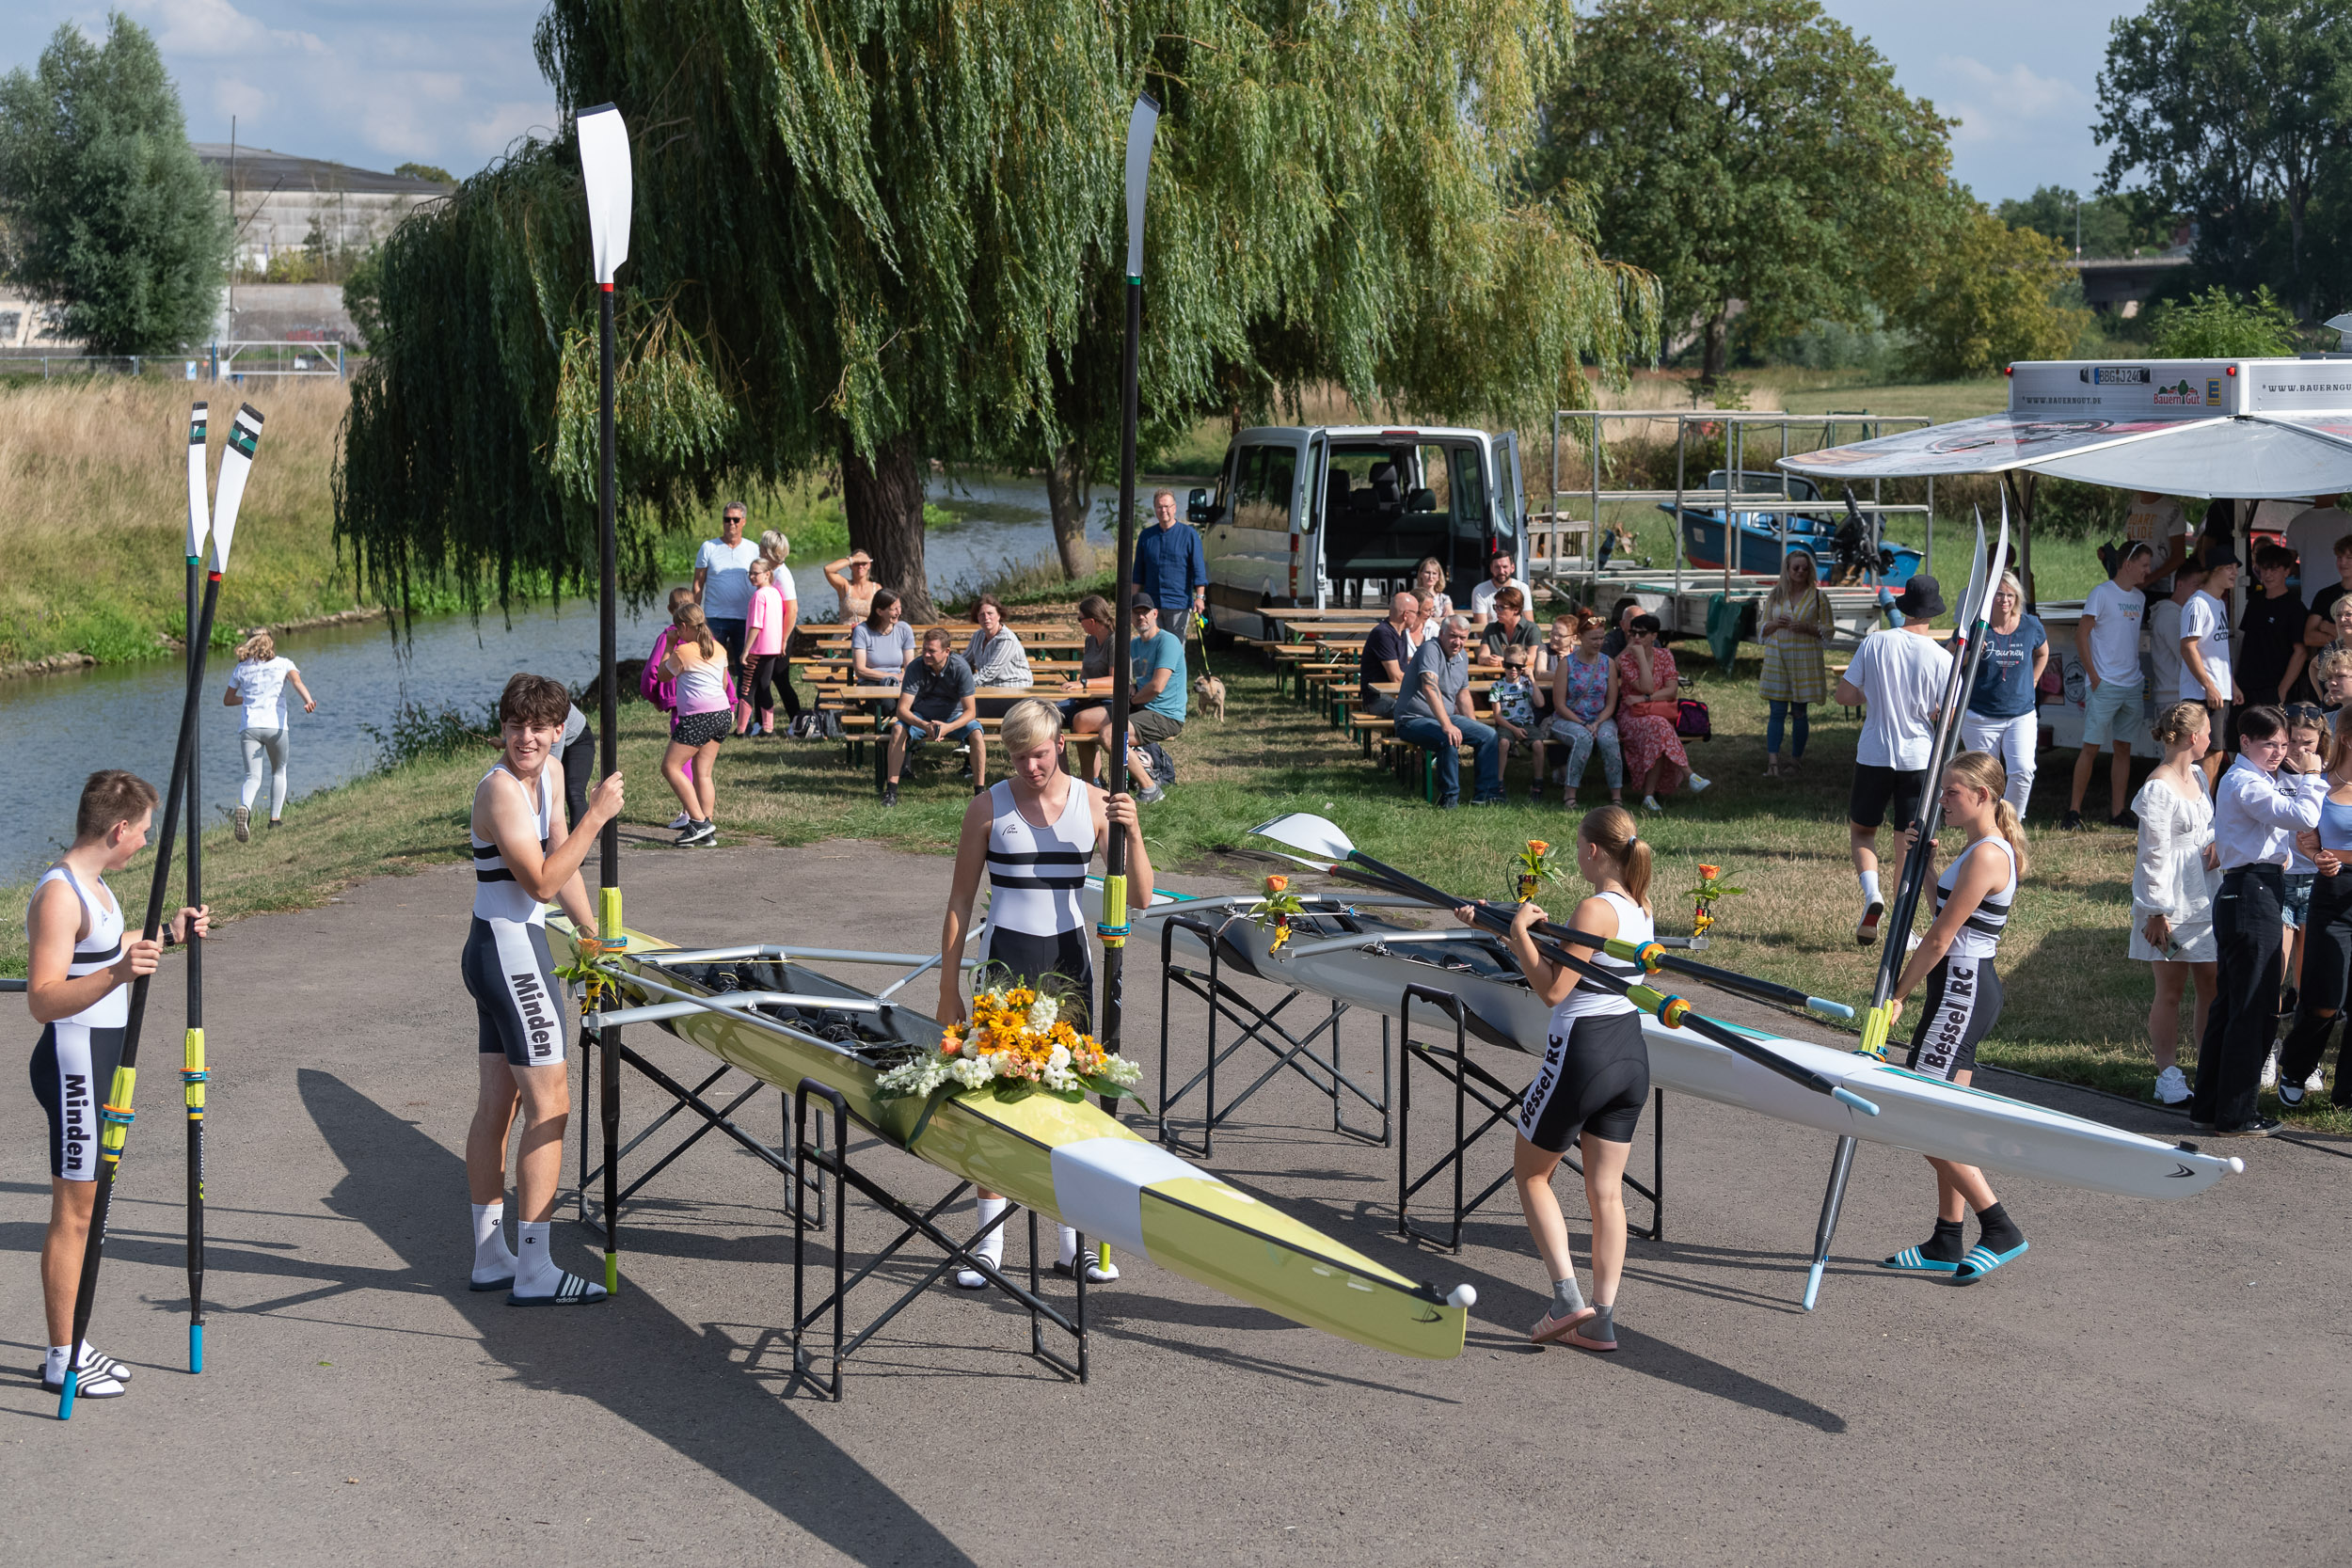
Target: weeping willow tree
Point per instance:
(868, 233)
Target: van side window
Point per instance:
(1262, 492)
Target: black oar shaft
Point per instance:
(194, 1074)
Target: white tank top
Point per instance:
(1036, 874)
(1588, 1000)
(101, 947)
(496, 894)
(1980, 933)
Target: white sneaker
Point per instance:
(1698, 785)
(2270, 1068)
(2171, 1087)
(1649, 802)
(2315, 1083)
(680, 820)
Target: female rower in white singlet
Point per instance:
(1964, 1001)
(1034, 832)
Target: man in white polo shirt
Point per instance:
(1898, 675)
(722, 582)
(2206, 675)
(2106, 640)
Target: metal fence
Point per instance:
(222, 361)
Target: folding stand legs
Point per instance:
(835, 1161)
(1500, 1102)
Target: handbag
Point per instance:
(1690, 721)
(1666, 708)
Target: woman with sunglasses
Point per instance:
(1648, 685)
(1954, 960)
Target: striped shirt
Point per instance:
(1980, 933)
(496, 894)
(1035, 875)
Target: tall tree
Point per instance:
(2231, 111)
(1751, 154)
(1990, 294)
(104, 210)
(868, 234)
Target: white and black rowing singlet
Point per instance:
(1588, 1000)
(496, 894)
(74, 1060)
(1980, 933)
(1037, 926)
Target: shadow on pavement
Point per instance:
(664, 1375)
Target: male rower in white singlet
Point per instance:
(79, 973)
(1034, 831)
(523, 856)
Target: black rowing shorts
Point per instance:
(1594, 1081)
(1020, 956)
(1964, 1002)
(73, 1072)
(511, 975)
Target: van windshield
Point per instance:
(1388, 505)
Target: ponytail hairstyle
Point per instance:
(689, 622)
(1983, 770)
(1611, 830)
(260, 648)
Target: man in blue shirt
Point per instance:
(1158, 709)
(1171, 567)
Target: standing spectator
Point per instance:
(766, 632)
(2313, 534)
(2322, 595)
(1796, 624)
(1513, 699)
(882, 645)
(1388, 648)
(1584, 713)
(2161, 523)
(1172, 567)
(1897, 677)
(2307, 738)
(705, 717)
(2164, 637)
(1499, 577)
(995, 654)
(2173, 882)
(2271, 651)
(1434, 712)
(2106, 640)
(2000, 718)
(258, 685)
(2255, 815)
(2331, 676)
(856, 589)
(660, 688)
(1621, 631)
(722, 582)
(1429, 578)
(1510, 628)
(2327, 937)
(936, 703)
(2205, 673)
(1649, 709)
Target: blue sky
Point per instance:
(377, 83)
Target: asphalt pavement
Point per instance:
(2153, 1383)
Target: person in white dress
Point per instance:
(2173, 882)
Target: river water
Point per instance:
(56, 730)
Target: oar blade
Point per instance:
(1302, 829)
(199, 514)
(236, 465)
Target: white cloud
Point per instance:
(215, 29)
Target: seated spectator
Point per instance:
(1513, 699)
(1388, 648)
(1510, 627)
(1649, 686)
(1434, 713)
(936, 703)
(1621, 633)
(1498, 568)
(995, 654)
(1427, 617)
(1094, 659)
(1584, 713)
(1429, 579)
(1560, 644)
(1157, 696)
(882, 645)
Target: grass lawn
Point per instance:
(2076, 1007)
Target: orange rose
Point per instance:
(1278, 884)
(1537, 846)
(1708, 873)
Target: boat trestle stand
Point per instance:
(815, 1159)
(1500, 1103)
(1304, 1054)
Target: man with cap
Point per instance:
(1897, 677)
(1157, 696)
(2205, 674)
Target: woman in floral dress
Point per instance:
(1647, 683)
(1794, 628)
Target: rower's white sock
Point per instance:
(492, 1257)
(992, 1246)
(52, 1369)
(1870, 887)
(535, 1273)
(1069, 1245)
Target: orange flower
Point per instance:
(1538, 847)
(1708, 873)
(1278, 884)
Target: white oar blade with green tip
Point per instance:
(199, 514)
(236, 464)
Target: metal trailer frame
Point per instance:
(1737, 422)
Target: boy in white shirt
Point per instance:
(2205, 674)
(1899, 676)
(2106, 640)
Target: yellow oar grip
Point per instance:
(609, 913)
(1668, 1010)
(192, 1073)
(115, 1115)
(1875, 1022)
(1113, 929)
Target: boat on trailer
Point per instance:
(1344, 950)
(1758, 536)
(763, 1009)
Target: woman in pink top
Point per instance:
(763, 645)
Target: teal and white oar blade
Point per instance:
(198, 512)
(235, 465)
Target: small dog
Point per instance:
(1212, 694)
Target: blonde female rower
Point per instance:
(1964, 1001)
(1593, 1082)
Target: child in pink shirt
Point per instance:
(763, 646)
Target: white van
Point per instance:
(1341, 516)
